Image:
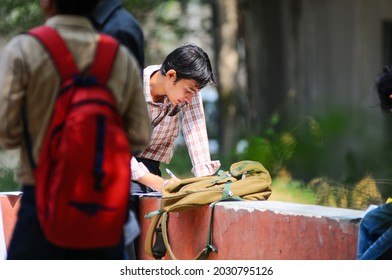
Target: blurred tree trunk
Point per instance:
(265, 45)
(225, 17)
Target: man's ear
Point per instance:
(172, 75)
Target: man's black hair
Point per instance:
(189, 62)
(75, 7)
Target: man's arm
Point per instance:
(196, 138)
(11, 95)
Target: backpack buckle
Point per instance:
(210, 248)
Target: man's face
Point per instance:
(180, 92)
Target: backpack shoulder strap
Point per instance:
(63, 61)
(203, 254)
(149, 241)
(104, 58)
(162, 218)
(57, 49)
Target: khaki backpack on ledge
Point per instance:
(246, 180)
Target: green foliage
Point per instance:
(289, 190)
(19, 15)
(180, 164)
(327, 192)
(316, 149)
(7, 182)
(356, 196)
(318, 143)
(273, 148)
(310, 147)
(141, 8)
(163, 27)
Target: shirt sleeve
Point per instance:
(196, 138)
(11, 95)
(138, 169)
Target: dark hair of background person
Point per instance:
(189, 62)
(75, 7)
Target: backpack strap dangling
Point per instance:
(155, 248)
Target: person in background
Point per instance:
(375, 229)
(171, 89)
(111, 18)
(29, 80)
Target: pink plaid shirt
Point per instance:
(165, 121)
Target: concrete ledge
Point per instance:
(261, 230)
(245, 230)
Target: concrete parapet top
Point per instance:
(294, 209)
(12, 193)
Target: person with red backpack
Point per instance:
(71, 100)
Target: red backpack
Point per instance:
(83, 171)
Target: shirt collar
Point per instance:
(69, 20)
(147, 72)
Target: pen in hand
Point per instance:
(170, 173)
